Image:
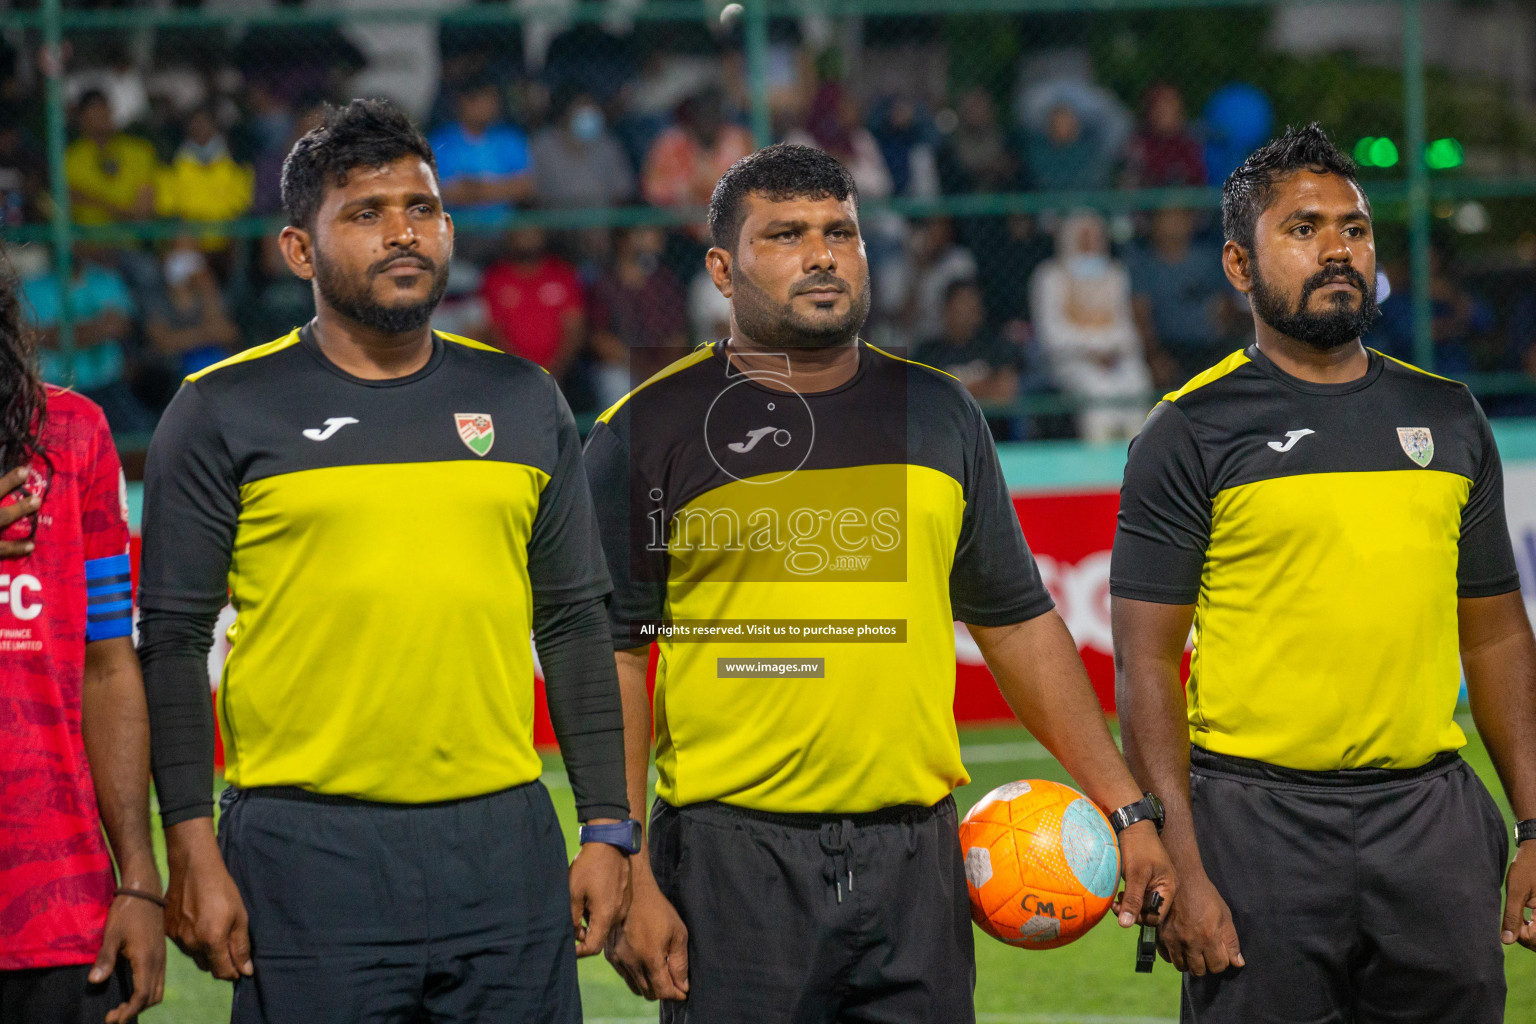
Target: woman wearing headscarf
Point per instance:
(1081, 302)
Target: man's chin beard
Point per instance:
(360, 306)
(774, 325)
(1325, 331)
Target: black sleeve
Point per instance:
(582, 688)
(569, 581)
(638, 568)
(565, 554)
(1164, 526)
(994, 580)
(191, 504)
(1486, 564)
(173, 652)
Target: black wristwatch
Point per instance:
(1525, 830)
(1148, 807)
(623, 834)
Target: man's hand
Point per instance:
(12, 512)
(1146, 867)
(1198, 936)
(599, 894)
(650, 949)
(135, 932)
(1520, 887)
(204, 914)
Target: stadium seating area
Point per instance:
(1102, 310)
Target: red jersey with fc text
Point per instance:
(56, 878)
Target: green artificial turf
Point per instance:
(1089, 982)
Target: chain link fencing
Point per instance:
(1039, 177)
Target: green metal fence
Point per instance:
(1408, 198)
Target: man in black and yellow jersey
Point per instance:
(390, 511)
(798, 518)
(1331, 522)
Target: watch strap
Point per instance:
(1145, 809)
(1525, 830)
(623, 834)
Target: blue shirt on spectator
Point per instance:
(501, 152)
(94, 291)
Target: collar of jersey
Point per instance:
(733, 371)
(309, 344)
(1373, 369)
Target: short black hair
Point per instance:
(780, 171)
(1249, 189)
(364, 133)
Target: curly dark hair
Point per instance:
(780, 171)
(1249, 189)
(23, 400)
(364, 133)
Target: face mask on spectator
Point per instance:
(587, 123)
(1088, 264)
(181, 265)
(206, 152)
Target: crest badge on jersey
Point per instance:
(1418, 443)
(476, 431)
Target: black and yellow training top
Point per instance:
(387, 545)
(1324, 533)
(747, 513)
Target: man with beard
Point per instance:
(798, 518)
(390, 510)
(1331, 522)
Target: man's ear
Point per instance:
(718, 262)
(1235, 262)
(298, 252)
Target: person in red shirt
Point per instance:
(535, 303)
(78, 942)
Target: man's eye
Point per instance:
(785, 236)
(1302, 230)
(366, 215)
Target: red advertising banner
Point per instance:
(1070, 534)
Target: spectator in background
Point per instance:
(534, 303)
(185, 323)
(203, 182)
(639, 315)
(687, 159)
(835, 124)
(709, 312)
(23, 171)
(1015, 246)
(910, 148)
(577, 161)
(976, 156)
(965, 348)
(1461, 323)
(913, 289)
(268, 165)
(1163, 152)
(1188, 315)
(111, 174)
(1238, 120)
(1068, 153)
(1081, 301)
(102, 311)
(483, 164)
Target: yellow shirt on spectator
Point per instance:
(108, 178)
(192, 190)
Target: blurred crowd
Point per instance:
(1103, 312)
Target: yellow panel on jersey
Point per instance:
(436, 704)
(799, 745)
(1290, 553)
